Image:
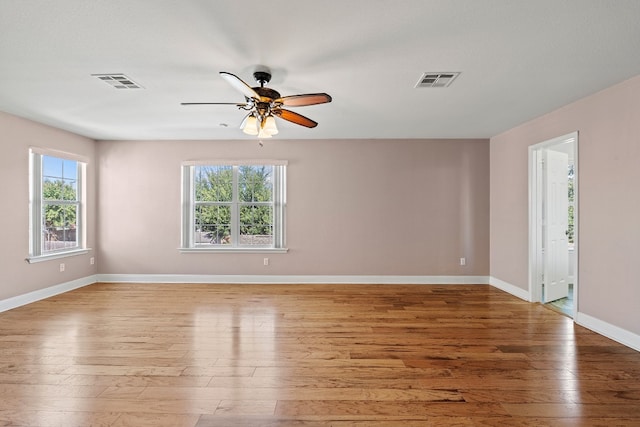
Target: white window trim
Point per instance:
(236, 162)
(35, 206)
(57, 255)
(233, 250)
(187, 237)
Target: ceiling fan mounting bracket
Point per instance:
(262, 77)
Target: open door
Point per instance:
(555, 230)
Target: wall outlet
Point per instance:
(61, 266)
(265, 261)
(92, 260)
(463, 261)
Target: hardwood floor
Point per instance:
(307, 355)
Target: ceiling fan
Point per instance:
(264, 104)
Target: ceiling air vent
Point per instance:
(436, 79)
(119, 81)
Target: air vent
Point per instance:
(119, 81)
(437, 79)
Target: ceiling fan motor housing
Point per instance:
(267, 92)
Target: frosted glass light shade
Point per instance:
(251, 126)
(263, 134)
(270, 125)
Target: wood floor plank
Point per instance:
(301, 394)
(370, 409)
(246, 407)
(573, 410)
(285, 421)
(197, 355)
(143, 419)
(136, 381)
(57, 418)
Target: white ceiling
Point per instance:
(518, 59)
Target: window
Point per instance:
(56, 205)
(233, 206)
(572, 205)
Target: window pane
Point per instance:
(57, 215)
(213, 225)
(52, 189)
(570, 186)
(70, 189)
(58, 189)
(59, 227)
(256, 225)
(59, 179)
(213, 183)
(54, 167)
(255, 183)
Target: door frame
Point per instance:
(535, 216)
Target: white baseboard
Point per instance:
(41, 294)
(608, 330)
(601, 327)
(251, 279)
(509, 288)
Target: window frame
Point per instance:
(188, 243)
(37, 252)
(571, 205)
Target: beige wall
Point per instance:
(355, 207)
(17, 276)
(609, 201)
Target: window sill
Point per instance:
(56, 255)
(233, 250)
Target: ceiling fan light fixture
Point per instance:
(251, 125)
(269, 125)
(263, 134)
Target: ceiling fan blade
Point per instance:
(305, 99)
(239, 85)
(237, 104)
(296, 118)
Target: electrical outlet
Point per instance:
(265, 261)
(92, 260)
(61, 266)
(463, 261)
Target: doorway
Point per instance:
(553, 231)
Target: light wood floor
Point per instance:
(307, 355)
